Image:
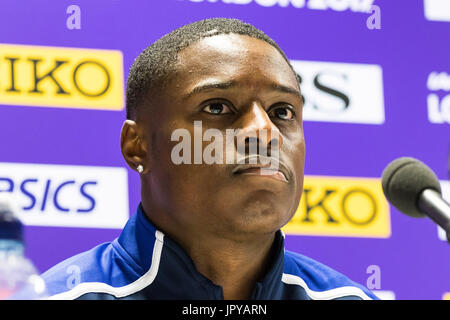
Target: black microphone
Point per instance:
(414, 189)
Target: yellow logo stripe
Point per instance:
(341, 206)
(61, 77)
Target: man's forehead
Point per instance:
(228, 55)
(227, 45)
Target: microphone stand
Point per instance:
(431, 203)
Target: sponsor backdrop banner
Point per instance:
(376, 83)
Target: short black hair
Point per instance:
(152, 68)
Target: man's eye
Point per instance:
(217, 108)
(284, 113)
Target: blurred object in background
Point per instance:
(18, 276)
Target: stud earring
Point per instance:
(140, 168)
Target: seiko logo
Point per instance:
(38, 76)
(439, 101)
(339, 206)
(69, 196)
(63, 77)
(336, 5)
(341, 92)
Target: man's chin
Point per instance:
(255, 224)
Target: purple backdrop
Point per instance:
(414, 263)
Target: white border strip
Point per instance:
(324, 295)
(119, 292)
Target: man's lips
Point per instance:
(264, 173)
(277, 171)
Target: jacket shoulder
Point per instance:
(102, 265)
(320, 281)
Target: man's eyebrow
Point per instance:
(286, 89)
(209, 86)
(230, 84)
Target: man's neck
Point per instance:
(236, 267)
(235, 263)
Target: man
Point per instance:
(209, 229)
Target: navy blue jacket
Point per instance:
(143, 263)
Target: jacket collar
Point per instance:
(138, 239)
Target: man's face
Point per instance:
(240, 83)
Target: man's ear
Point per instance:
(133, 146)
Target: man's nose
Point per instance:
(257, 133)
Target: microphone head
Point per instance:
(403, 180)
